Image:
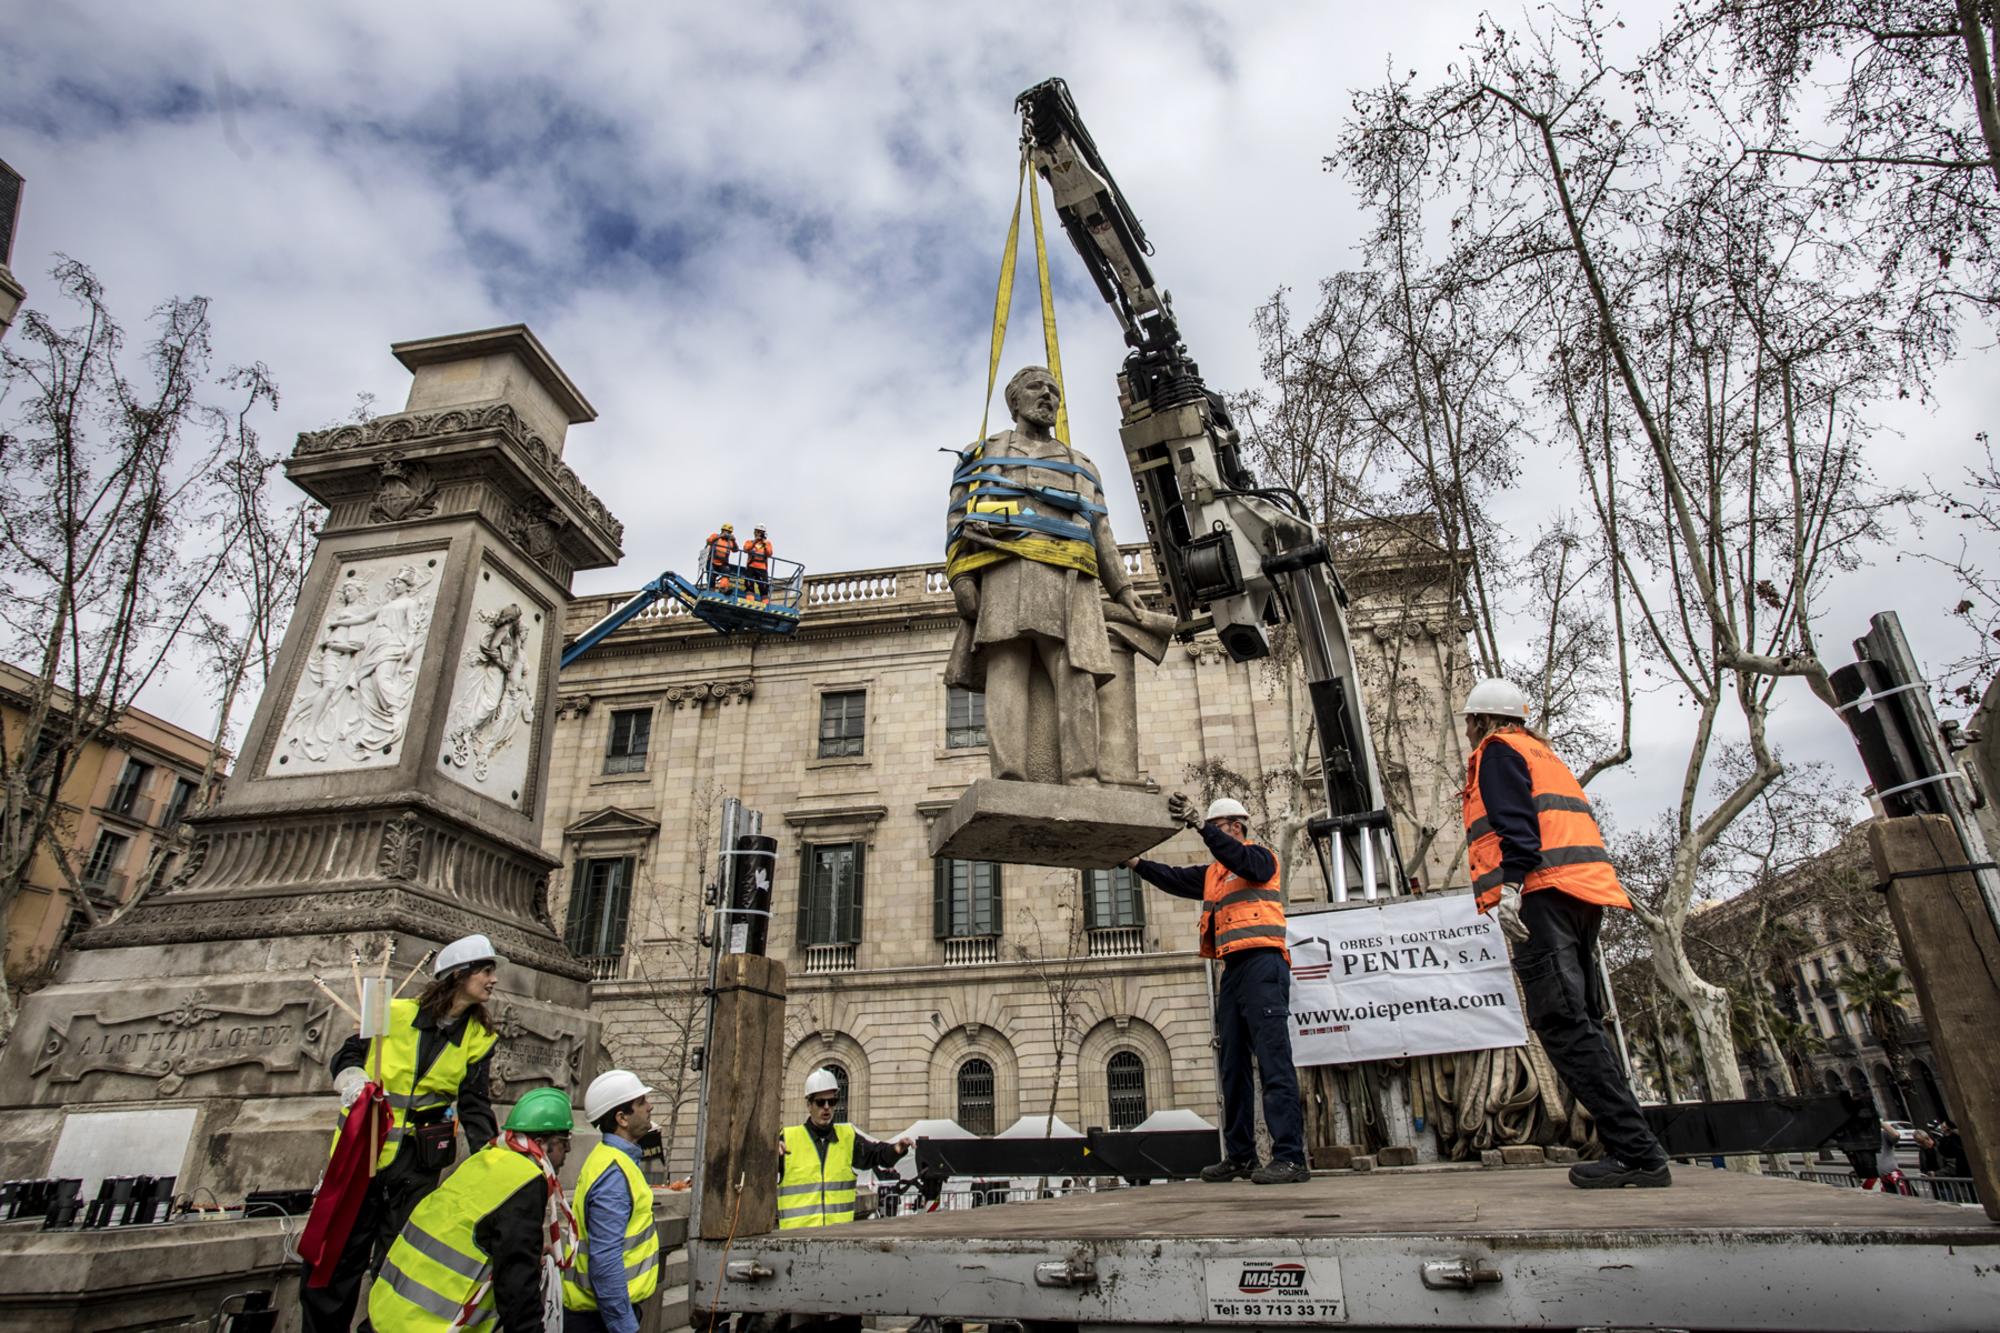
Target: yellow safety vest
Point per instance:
(642, 1238)
(437, 1089)
(432, 1269)
(813, 1193)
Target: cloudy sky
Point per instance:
(762, 239)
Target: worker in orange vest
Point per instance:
(757, 564)
(721, 557)
(1243, 924)
(1539, 866)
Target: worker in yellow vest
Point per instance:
(820, 1158)
(1540, 867)
(437, 1053)
(618, 1249)
(1243, 924)
(482, 1251)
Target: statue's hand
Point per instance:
(965, 596)
(1129, 599)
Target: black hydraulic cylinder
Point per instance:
(751, 869)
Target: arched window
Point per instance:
(975, 1096)
(839, 1073)
(1125, 1076)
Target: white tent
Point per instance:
(1037, 1127)
(1173, 1119)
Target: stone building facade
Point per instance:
(947, 990)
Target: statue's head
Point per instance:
(1033, 398)
(402, 581)
(352, 591)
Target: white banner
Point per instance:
(1416, 976)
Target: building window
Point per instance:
(830, 896)
(600, 900)
(839, 1072)
(177, 805)
(965, 902)
(975, 1096)
(1125, 1075)
(125, 799)
(631, 729)
(47, 766)
(842, 717)
(105, 859)
(1111, 899)
(964, 719)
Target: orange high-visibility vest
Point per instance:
(1237, 914)
(720, 548)
(1573, 855)
(756, 555)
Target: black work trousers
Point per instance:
(1565, 998)
(1253, 1017)
(394, 1193)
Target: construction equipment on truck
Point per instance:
(1443, 1246)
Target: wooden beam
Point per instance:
(1952, 953)
(746, 1061)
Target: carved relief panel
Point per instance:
(353, 700)
(489, 741)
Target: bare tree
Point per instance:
(113, 533)
(1056, 955)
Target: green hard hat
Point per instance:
(541, 1111)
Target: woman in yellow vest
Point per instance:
(436, 1054)
(618, 1249)
(1243, 924)
(481, 1252)
(1539, 865)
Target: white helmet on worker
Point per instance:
(820, 1082)
(1222, 807)
(1497, 698)
(611, 1090)
(464, 953)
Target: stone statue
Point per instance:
(1028, 550)
(495, 700)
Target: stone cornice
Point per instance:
(409, 428)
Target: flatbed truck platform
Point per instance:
(1446, 1247)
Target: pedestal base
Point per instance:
(1042, 824)
(170, 1276)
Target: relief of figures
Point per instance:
(494, 698)
(353, 701)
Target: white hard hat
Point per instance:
(611, 1090)
(1497, 698)
(820, 1082)
(471, 949)
(1222, 807)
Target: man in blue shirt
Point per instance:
(618, 1252)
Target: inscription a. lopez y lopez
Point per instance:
(194, 1038)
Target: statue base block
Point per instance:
(1043, 824)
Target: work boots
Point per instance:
(1610, 1173)
(1281, 1173)
(1227, 1170)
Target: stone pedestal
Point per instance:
(1042, 824)
(389, 793)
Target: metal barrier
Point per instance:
(1943, 1189)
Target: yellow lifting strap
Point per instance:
(1003, 300)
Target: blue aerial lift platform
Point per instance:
(730, 604)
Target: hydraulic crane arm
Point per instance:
(1231, 553)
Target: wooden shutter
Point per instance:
(619, 909)
(999, 911)
(806, 864)
(1137, 895)
(853, 932)
(941, 898)
(573, 918)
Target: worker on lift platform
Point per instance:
(722, 550)
(757, 565)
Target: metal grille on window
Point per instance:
(975, 1096)
(1126, 1077)
(631, 731)
(839, 1073)
(964, 719)
(841, 719)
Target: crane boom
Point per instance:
(1232, 554)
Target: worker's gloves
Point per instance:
(1182, 809)
(1508, 913)
(348, 1083)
